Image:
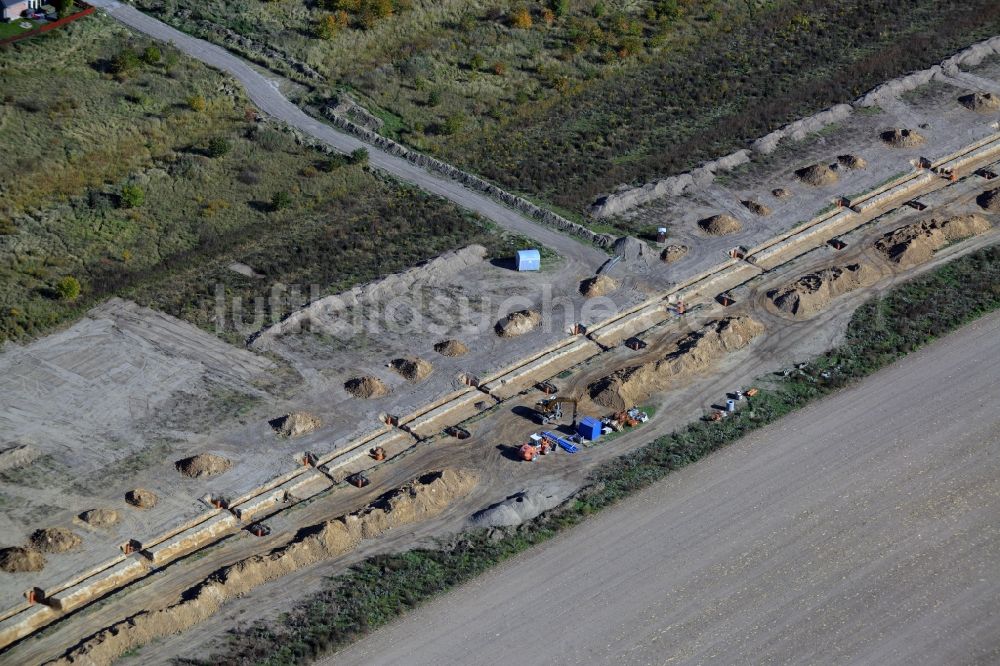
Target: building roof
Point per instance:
(11, 3)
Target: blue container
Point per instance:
(589, 428)
(529, 260)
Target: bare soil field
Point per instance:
(884, 500)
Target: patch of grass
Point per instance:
(118, 180)
(381, 588)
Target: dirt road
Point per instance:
(266, 95)
(860, 530)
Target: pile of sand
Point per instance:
(756, 207)
(902, 138)
(813, 292)
(21, 560)
(990, 200)
(518, 323)
(852, 161)
(916, 243)
(780, 193)
(600, 285)
(54, 540)
(412, 368)
(694, 354)
(203, 464)
(368, 388)
(295, 424)
(419, 500)
(99, 517)
(672, 253)
(141, 498)
(451, 348)
(720, 225)
(981, 102)
(817, 175)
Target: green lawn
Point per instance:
(14, 27)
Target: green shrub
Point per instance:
(132, 196)
(151, 55)
(281, 200)
(359, 157)
(68, 288)
(125, 61)
(217, 147)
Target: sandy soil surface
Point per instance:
(860, 530)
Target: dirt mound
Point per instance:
(817, 175)
(99, 517)
(412, 369)
(419, 500)
(630, 248)
(756, 207)
(902, 138)
(295, 424)
(852, 161)
(368, 388)
(980, 102)
(141, 498)
(693, 355)
(21, 560)
(17, 456)
(916, 243)
(203, 464)
(813, 292)
(780, 193)
(599, 285)
(672, 253)
(451, 348)
(520, 507)
(518, 323)
(53, 540)
(990, 200)
(720, 225)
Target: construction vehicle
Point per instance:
(551, 409)
(538, 446)
(358, 480)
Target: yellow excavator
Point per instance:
(550, 410)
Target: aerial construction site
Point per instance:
(163, 485)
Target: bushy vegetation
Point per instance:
(567, 100)
(379, 589)
(142, 173)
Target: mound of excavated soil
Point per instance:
(990, 200)
(780, 193)
(295, 424)
(981, 102)
(53, 540)
(141, 498)
(203, 464)
(99, 517)
(852, 161)
(916, 243)
(21, 560)
(631, 249)
(813, 292)
(412, 369)
(672, 253)
(756, 207)
(518, 323)
(817, 175)
(519, 507)
(694, 354)
(367, 388)
(720, 225)
(599, 285)
(417, 501)
(902, 138)
(451, 348)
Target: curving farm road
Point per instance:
(266, 95)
